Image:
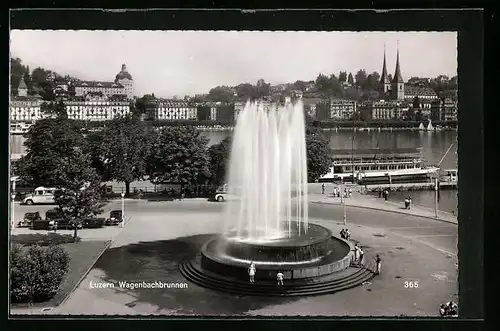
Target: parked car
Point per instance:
(93, 222)
(115, 217)
(28, 219)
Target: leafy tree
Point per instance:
(179, 155)
(123, 150)
(352, 93)
(219, 158)
(245, 91)
(361, 78)
(262, 89)
(221, 93)
(80, 194)
(416, 102)
(350, 79)
(58, 109)
(318, 154)
(49, 142)
(299, 85)
(343, 76)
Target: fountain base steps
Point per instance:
(351, 277)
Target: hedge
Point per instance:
(49, 239)
(36, 272)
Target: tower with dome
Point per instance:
(124, 78)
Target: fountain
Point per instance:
(268, 221)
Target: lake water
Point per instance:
(434, 146)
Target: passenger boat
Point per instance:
(366, 165)
(19, 128)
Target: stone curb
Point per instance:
(387, 210)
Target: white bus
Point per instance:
(41, 195)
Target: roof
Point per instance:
(376, 152)
(384, 78)
(123, 74)
(398, 78)
(22, 84)
(97, 84)
(419, 90)
(312, 101)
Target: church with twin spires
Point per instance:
(392, 89)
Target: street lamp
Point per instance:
(13, 196)
(122, 223)
(436, 191)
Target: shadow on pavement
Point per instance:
(158, 261)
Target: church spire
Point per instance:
(398, 78)
(384, 79)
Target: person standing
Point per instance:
(280, 276)
(350, 192)
(335, 192)
(361, 255)
(347, 234)
(356, 253)
(323, 188)
(251, 272)
(378, 261)
(407, 203)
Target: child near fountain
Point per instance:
(251, 272)
(280, 276)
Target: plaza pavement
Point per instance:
(412, 248)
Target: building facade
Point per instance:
(123, 85)
(96, 110)
(384, 110)
(166, 109)
(445, 109)
(25, 110)
(341, 109)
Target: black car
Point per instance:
(29, 218)
(115, 217)
(55, 218)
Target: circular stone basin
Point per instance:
(302, 255)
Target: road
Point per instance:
(441, 236)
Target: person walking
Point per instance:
(378, 261)
(280, 276)
(323, 188)
(251, 272)
(347, 234)
(350, 192)
(335, 192)
(342, 234)
(386, 195)
(407, 203)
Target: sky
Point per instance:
(169, 63)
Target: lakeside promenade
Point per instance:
(359, 199)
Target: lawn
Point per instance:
(83, 256)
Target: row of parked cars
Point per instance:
(55, 220)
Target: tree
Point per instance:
(221, 93)
(123, 150)
(80, 194)
(219, 158)
(350, 79)
(416, 102)
(58, 109)
(49, 142)
(179, 155)
(361, 78)
(299, 85)
(318, 154)
(343, 76)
